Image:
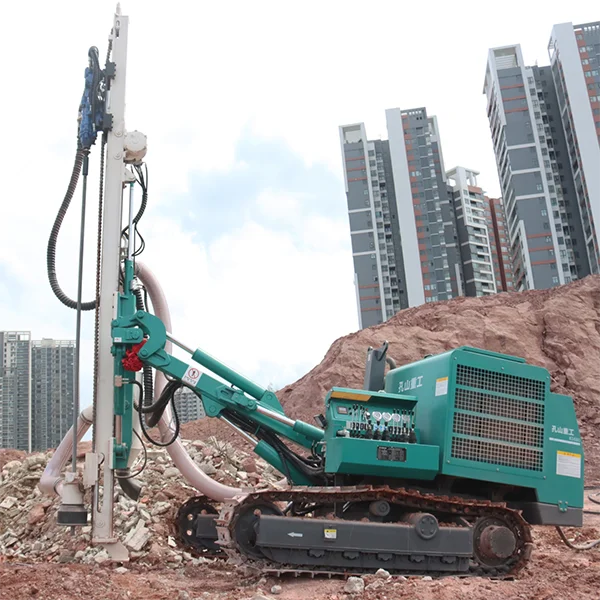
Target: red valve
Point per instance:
(132, 361)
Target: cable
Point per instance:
(170, 394)
(587, 546)
(592, 499)
(51, 249)
(311, 468)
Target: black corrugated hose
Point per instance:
(51, 251)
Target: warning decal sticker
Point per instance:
(191, 376)
(568, 464)
(441, 386)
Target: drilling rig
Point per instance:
(440, 466)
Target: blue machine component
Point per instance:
(91, 107)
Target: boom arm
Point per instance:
(258, 409)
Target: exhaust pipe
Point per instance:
(51, 481)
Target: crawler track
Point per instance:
(465, 512)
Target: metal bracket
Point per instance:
(110, 69)
(90, 470)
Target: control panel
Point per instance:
(376, 433)
(377, 423)
(372, 415)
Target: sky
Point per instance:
(246, 225)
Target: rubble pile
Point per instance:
(28, 528)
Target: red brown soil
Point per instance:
(554, 573)
(8, 455)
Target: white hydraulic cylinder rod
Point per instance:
(102, 509)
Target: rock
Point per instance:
(276, 589)
(144, 514)
(31, 462)
(8, 502)
(208, 468)
(171, 541)
(382, 573)
(139, 539)
(79, 554)
(121, 570)
(66, 556)
(242, 475)
(377, 584)
(260, 597)
(230, 469)
(183, 595)
(172, 472)
(160, 508)
(428, 578)
(11, 465)
(101, 557)
(249, 465)
(354, 585)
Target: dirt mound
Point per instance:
(558, 329)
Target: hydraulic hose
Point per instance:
(51, 251)
(148, 377)
(580, 547)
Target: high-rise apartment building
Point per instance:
(188, 405)
(376, 247)
(15, 390)
(433, 263)
(52, 391)
(472, 230)
(403, 215)
(548, 199)
(575, 58)
(499, 244)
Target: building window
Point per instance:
(539, 187)
(544, 212)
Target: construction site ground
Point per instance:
(554, 573)
(558, 329)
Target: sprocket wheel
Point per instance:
(186, 523)
(245, 526)
(494, 542)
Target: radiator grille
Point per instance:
(499, 406)
(497, 454)
(500, 382)
(501, 442)
(495, 429)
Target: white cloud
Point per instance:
(265, 304)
